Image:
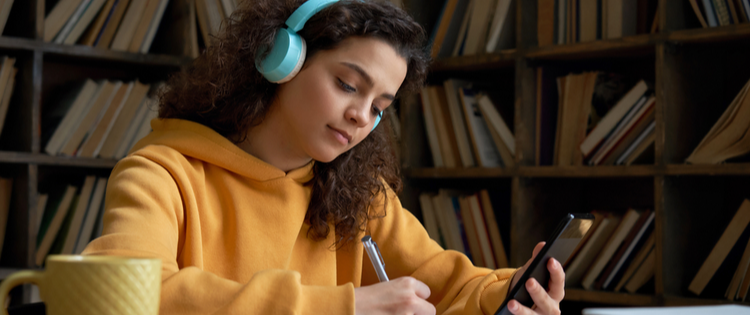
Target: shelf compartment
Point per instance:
(614, 298)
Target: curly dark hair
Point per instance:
(223, 90)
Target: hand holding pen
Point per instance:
(404, 295)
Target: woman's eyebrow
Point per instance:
(367, 78)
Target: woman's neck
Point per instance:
(270, 143)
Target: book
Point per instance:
(143, 128)
(448, 222)
(97, 199)
(4, 13)
(619, 142)
(478, 25)
(459, 122)
(497, 123)
(613, 243)
(83, 22)
(73, 106)
(496, 240)
(441, 27)
(92, 32)
(128, 25)
(637, 261)
(482, 143)
(453, 30)
(644, 273)
(6, 190)
(626, 253)
(203, 23)
(645, 139)
(502, 32)
(698, 14)
(147, 18)
(72, 21)
(41, 203)
(431, 128)
(102, 98)
(53, 218)
(720, 251)
(610, 120)
(588, 253)
(443, 124)
(505, 154)
(472, 234)
(127, 114)
(727, 138)
(621, 18)
(545, 22)
(598, 218)
(573, 115)
(56, 19)
(458, 48)
(429, 217)
(104, 39)
(480, 225)
(588, 19)
(710, 13)
(739, 274)
(77, 215)
(154, 26)
(101, 128)
(7, 93)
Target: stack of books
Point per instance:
(100, 119)
(617, 253)
(574, 21)
(6, 188)
(729, 137)
(465, 223)
(725, 256)
(7, 85)
(470, 27)
(127, 25)
(69, 217)
(722, 12)
(464, 127)
(592, 118)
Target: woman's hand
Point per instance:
(545, 302)
(404, 295)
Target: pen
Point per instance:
(377, 260)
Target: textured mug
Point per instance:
(88, 285)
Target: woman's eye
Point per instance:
(346, 87)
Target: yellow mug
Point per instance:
(88, 285)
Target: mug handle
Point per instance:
(16, 279)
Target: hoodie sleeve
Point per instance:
(144, 217)
(457, 287)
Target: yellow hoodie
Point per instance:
(230, 231)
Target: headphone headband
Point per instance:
(297, 20)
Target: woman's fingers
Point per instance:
(556, 280)
(543, 302)
(537, 248)
(519, 309)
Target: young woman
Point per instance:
(255, 194)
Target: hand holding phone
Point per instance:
(534, 281)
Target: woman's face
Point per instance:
(332, 104)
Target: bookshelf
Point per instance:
(697, 72)
(44, 69)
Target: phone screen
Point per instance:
(560, 246)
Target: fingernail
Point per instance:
(531, 284)
(513, 306)
(557, 263)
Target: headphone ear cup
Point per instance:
(285, 59)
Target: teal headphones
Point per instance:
(287, 56)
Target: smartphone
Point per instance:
(560, 246)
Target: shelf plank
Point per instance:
(18, 43)
(43, 159)
(114, 55)
(711, 34)
(501, 59)
(474, 172)
(708, 170)
(614, 298)
(588, 171)
(629, 45)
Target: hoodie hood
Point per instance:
(203, 143)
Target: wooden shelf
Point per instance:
(474, 172)
(476, 62)
(43, 159)
(588, 171)
(722, 169)
(614, 298)
(627, 46)
(711, 34)
(113, 55)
